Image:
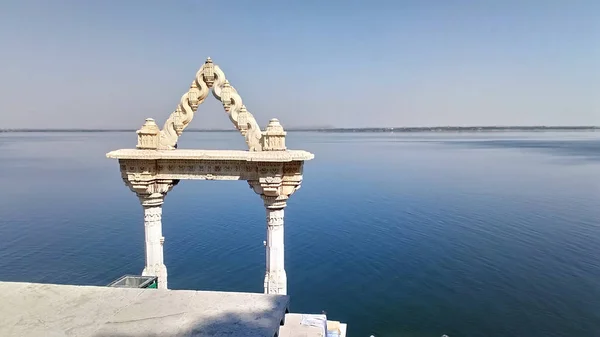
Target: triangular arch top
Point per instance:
(210, 76)
(155, 166)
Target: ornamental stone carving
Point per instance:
(156, 166)
(275, 183)
(210, 76)
(153, 214)
(151, 192)
(148, 135)
(274, 137)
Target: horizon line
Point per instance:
(375, 128)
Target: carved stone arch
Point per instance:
(210, 76)
(271, 170)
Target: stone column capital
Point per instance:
(274, 203)
(276, 182)
(274, 193)
(151, 192)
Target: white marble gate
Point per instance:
(156, 165)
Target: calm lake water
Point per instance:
(424, 234)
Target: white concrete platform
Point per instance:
(30, 309)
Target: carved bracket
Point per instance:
(140, 177)
(277, 182)
(152, 192)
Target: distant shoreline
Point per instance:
(357, 130)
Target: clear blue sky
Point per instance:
(105, 64)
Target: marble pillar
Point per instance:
(154, 240)
(152, 194)
(275, 277)
(275, 187)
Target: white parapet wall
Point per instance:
(33, 310)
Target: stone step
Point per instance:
(302, 325)
(336, 329)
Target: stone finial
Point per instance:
(208, 72)
(178, 121)
(243, 120)
(148, 135)
(274, 137)
(226, 93)
(193, 95)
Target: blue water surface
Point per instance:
(397, 234)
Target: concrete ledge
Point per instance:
(30, 309)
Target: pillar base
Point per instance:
(276, 282)
(159, 271)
